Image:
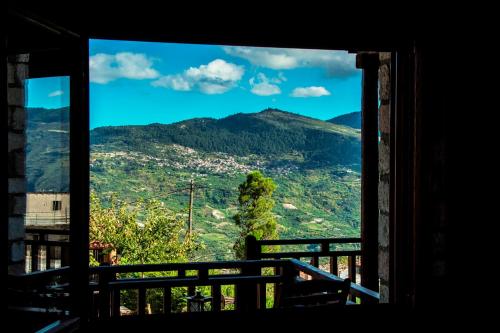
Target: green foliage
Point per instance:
(255, 216)
(327, 199)
(146, 233)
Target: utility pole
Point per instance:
(191, 199)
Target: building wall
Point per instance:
(17, 72)
(39, 208)
(384, 173)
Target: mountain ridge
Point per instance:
(352, 119)
(315, 165)
(269, 132)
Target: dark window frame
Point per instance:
(56, 205)
(77, 47)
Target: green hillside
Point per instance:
(315, 165)
(47, 150)
(268, 133)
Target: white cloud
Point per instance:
(264, 57)
(217, 69)
(261, 85)
(336, 63)
(176, 82)
(214, 88)
(216, 77)
(105, 68)
(266, 89)
(56, 93)
(312, 91)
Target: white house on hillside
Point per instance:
(47, 208)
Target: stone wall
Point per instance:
(17, 72)
(384, 173)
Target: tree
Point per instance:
(255, 216)
(143, 233)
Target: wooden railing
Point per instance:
(62, 326)
(245, 275)
(42, 291)
(256, 282)
(38, 241)
(250, 278)
(255, 251)
(256, 286)
(358, 294)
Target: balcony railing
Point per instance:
(331, 249)
(251, 279)
(357, 293)
(323, 249)
(46, 248)
(245, 275)
(42, 291)
(254, 283)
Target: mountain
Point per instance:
(352, 119)
(47, 149)
(314, 163)
(270, 133)
(60, 116)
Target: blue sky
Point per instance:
(50, 93)
(134, 83)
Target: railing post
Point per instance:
(247, 295)
(216, 298)
(141, 302)
(325, 248)
(104, 295)
(277, 286)
(65, 256)
(48, 255)
(290, 275)
(251, 248)
(35, 252)
(351, 263)
(315, 261)
(334, 268)
(167, 301)
(116, 302)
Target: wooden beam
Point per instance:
(369, 62)
(79, 178)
